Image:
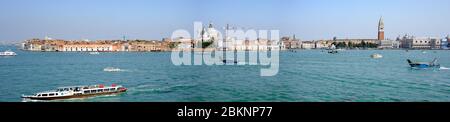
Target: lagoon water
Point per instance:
(304, 76)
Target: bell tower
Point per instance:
(381, 29)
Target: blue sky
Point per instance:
(155, 19)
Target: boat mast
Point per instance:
(225, 42)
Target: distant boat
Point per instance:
(376, 55)
(332, 49)
(8, 53)
(292, 50)
(112, 69)
(424, 65)
(229, 61)
(225, 61)
(94, 53)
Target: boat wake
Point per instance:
(143, 89)
(113, 69)
(444, 68)
(72, 99)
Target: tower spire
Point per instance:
(381, 23)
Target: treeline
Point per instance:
(351, 45)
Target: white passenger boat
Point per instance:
(8, 53)
(376, 55)
(76, 92)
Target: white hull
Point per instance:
(8, 53)
(76, 92)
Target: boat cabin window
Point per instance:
(51, 94)
(93, 91)
(66, 89)
(106, 90)
(112, 89)
(44, 95)
(39, 95)
(87, 92)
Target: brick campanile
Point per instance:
(381, 29)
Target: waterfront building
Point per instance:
(146, 46)
(209, 34)
(33, 45)
(266, 44)
(308, 45)
(357, 41)
(324, 44)
(181, 43)
(88, 47)
(388, 44)
(349, 43)
(290, 43)
(94, 46)
(42, 45)
(249, 45)
(412, 42)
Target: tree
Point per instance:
(341, 45)
(334, 43)
(173, 44)
(363, 44)
(206, 44)
(350, 45)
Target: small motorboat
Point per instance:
(225, 61)
(332, 51)
(112, 69)
(77, 92)
(229, 62)
(376, 55)
(8, 53)
(424, 65)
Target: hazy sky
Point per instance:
(155, 19)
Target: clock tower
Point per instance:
(381, 29)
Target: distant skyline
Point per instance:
(156, 19)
